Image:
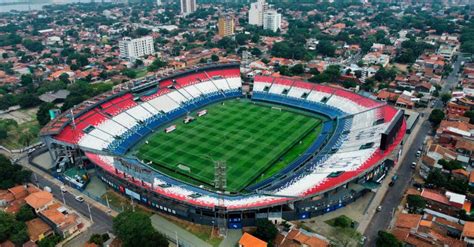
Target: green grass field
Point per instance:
(254, 140)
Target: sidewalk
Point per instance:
(232, 238)
(379, 196)
(176, 233)
(24, 162)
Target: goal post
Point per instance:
(276, 108)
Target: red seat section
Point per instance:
(325, 89)
(283, 81)
(119, 104)
(303, 84)
(71, 134)
(227, 73)
(261, 78)
(158, 93)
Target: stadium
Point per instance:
(203, 146)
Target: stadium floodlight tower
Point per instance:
(220, 183)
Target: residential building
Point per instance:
(188, 7)
(468, 232)
(271, 20)
(132, 49)
(247, 240)
(256, 12)
(226, 25)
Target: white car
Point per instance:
(79, 198)
(63, 189)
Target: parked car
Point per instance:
(79, 198)
(413, 165)
(63, 189)
(418, 153)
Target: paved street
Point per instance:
(102, 222)
(393, 197)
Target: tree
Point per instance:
(130, 73)
(346, 236)
(445, 97)
(256, 52)
(326, 48)
(12, 229)
(342, 221)
(99, 239)
(386, 239)
(298, 69)
(42, 115)
(26, 80)
(214, 58)
(470, 115)
(11, 175)
(25, 213)
(266, 230)
(436, 116)
(135, 229)
(416, 204)
(50, 241)
(32, 45)
(156, 64)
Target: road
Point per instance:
(102, 222)
(391, 201)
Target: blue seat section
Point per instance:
(121, 145)
(299, 103)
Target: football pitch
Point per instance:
(250, 138)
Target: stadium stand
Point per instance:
(349, 143)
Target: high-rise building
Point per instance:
(256, 12)
(188, 6)
(226, 25)
(271, 20)
(135, 48)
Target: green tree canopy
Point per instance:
(436, 116)
(135, 229)
(266, 230)
(386, 239)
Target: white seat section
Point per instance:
(185, 94)
(191, 89)
(150, 108)
(364, 119)
(125, 120)
(297, 92)
(278, 88)
(164, 103)
(92, 142)
(206, 87)
(317, 96)
(234, 82)
(176, 96)
(345, 104)
(112, 127)
(139, 113)
(259, 86)
(221, 84)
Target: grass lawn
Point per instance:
(119, 202)
(20, 135)
(251, 138)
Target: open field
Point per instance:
(249, 137)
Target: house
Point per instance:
(387, 96)
(427, 230)
(61, 219)
(38, 229)
(300, 237)
(448, 203)
(376, 58)
(39, 200)
(471, 179)
(468, 232)
(247, 240)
